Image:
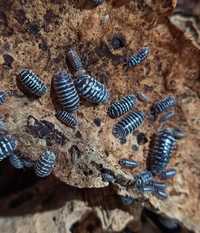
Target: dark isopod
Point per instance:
(122, 106)
(32, 83)
(128, 163)
(128, 124)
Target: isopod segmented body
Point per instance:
(45, 164)
(32, 83)
(168, 174)
(128, 124)
(74, 60)
(2, 97)
(138, 57)
(163, 105)
(7, 146)
(143, 180)
(66, 93)
(161, 151)
(67, 118)
(128, 163)
(122, 106)
(91, 89)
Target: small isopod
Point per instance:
(163, 105)
(128, 124)
(67, 118)
(168, 174)
(122, 106)
(143, 180)
(128, 163)
(7, 146)
(138, 57)
(45, 164)
(32, 83)
(75, 60)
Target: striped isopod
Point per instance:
(67, 118)
(32, 83)
(74, 60)
(159, 185)
(128, 124)
(122, 106)
(128, 163)
(168, 174)
(7, 146)
(66, 93)
(91, 89)
(163, 105)
(143, 179)
(138, 57)
(161, 151)
(45, 164)
(2, 97)
(160, 194)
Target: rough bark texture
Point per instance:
(36, 34)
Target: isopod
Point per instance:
(32, 83)
(128, 124)
(45, 164)
(66, 94)
(122, 106)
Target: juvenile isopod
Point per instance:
(128, 124)
(138, 57)
(45, 164)
(32, 83)
(122, 106)
(128, 163)
(7, 146)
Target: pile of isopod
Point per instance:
(68, 89)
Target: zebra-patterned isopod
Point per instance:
(128, 163)
(144, 178)
(128, 124)
(32, 83)
(168, 174)
(7, 146)
(161, 151)
(163, 105)
(122, 106)
(66, 93)
(45, 164)
(91, 89)
(67, 118)
(138, 57)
